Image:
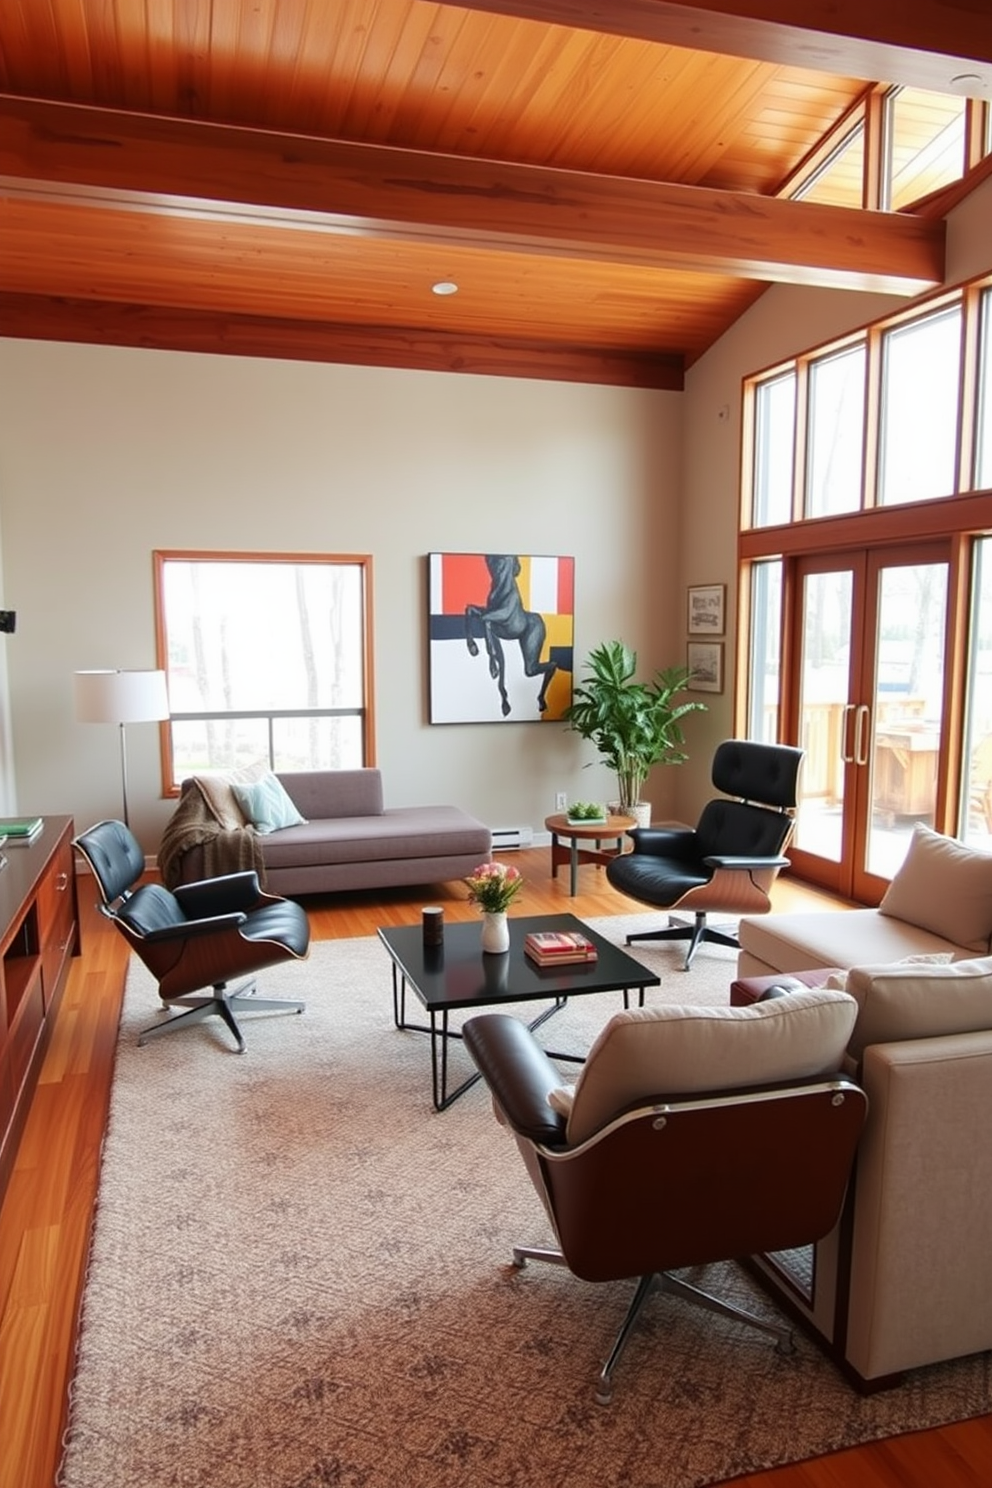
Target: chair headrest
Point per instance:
(766, 773)
(650, 1053)
(115, 856)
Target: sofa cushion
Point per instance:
(827, 938)
(266, 804)
(403, 832)
(919, 1001)
(650, 1053)
(943, 887)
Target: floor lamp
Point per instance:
(121, 698)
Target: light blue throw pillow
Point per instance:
(267, 806)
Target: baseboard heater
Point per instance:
(509, 837)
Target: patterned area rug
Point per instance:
(299, 1278)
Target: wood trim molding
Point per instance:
(102, 322)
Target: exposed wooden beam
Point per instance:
(919, 43)
(443, 199)
(95, 322)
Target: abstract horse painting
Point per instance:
(509, 617)
(503, 618)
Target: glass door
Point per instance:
(869, 636)
(827, 589)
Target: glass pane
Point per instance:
(840, 180)
(836, 433)
(764, 658)
(921, 373)
(983, 460)
(263, 636)
(200, 747)
(204, 746)
(976, 803)
(825, 686)
(926, 150)
(908, 708)
(317, 743)
(774, 441)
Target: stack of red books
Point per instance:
(558, 947)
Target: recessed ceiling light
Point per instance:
(444, 287)
(968, 83)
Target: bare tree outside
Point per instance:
(266, 661)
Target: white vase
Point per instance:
(495, 931)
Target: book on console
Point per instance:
(557, 947)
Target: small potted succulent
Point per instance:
(586, 813)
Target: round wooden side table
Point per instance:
(566, 837)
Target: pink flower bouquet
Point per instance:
(493, 885)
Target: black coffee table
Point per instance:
(458, 974)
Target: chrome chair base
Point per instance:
(222, 1002)
(695, 934)
(663, 1281)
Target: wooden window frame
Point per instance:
(363, 561)
(959, 516)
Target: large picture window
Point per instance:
(866, 605)
(268, 660)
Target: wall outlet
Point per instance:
(561, 801)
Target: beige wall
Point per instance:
(108, 453)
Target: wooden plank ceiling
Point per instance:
(291, 178)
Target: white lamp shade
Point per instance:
(121, 697)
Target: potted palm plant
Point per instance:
(634, 725)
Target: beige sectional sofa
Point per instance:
(348, 839)
(939, 903)
(906, 1278)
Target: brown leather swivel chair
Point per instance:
(727, 863)
(200, 937)
(692, 1135)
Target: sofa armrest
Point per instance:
(921, 1267)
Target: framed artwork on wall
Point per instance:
(706, 609)
(500, 637)
(705, 661)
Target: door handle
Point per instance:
(862, 717)
(847, 757)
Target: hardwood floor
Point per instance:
(47, 1211)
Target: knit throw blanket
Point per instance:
(208, 816)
